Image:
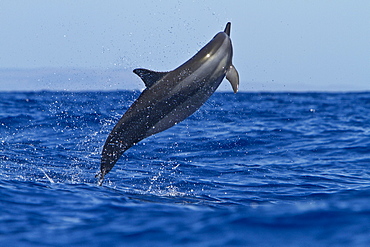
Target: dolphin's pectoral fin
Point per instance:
(233, 77)
(149, 77)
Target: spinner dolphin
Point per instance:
(170, 97)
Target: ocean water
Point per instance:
(247, 169)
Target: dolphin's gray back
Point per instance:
(196, 80)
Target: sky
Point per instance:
(278, 45)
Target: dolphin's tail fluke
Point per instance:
(227, 28)
(100, 177)
(112, 151)
(119, 140)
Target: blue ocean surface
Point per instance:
(247, 169)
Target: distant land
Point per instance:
(68, 79)
(74, 79)
(113, 79)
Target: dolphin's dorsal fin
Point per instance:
(149, 77)
(233, 77)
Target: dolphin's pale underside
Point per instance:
(170, 97)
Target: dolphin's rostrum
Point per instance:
(170, 97)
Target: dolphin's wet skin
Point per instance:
(170, 97)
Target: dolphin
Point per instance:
(170, 97)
